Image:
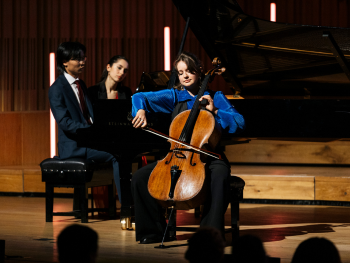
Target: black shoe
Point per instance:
(150, 240)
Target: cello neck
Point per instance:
(186, 133)
(191, 120)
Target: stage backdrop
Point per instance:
(31, 29)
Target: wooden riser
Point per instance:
(25, 181)
(329, 189)
(296, 187)
(278, 187)
(261, 182)
(294, 182)
(11, 180)
(289, 152)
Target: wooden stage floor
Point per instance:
(281, 227)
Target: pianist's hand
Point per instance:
(140, 120)
(210, 105)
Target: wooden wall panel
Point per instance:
(332, 188)
(278, 187)
(24, 137)
(10, 139)
(11, 180)
(268, 151)
(32, 181)
(36, 136)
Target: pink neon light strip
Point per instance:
(52, 119)
(273, 12)
(166, 48)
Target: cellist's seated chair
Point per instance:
(79, 174)
(236, 194)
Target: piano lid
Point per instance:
(153, 81)
(267, 59)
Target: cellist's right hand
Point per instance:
(140, 120)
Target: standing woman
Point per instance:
(110, 87)
(111, 83)
(150, 223)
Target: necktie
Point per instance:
(82, 102)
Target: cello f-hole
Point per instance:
(167, 162)
(193, 164)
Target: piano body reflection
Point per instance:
(290, 82)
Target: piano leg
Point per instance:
(127, 215)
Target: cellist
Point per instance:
(150, 222)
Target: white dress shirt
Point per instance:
(71, 81)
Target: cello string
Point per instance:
(194, 148)
(190, 124)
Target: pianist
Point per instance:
(150, 223)
(72, 108)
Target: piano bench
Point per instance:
(236, 195)
(79, 174)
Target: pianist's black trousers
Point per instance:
(150, 222)
(100, 156)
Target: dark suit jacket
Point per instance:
(99, 92)
(66, 110)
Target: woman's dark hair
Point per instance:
(77, 243)
(113, 60)
(67, 51)
(316, 249)
(194, 65)
(205, 246)
(249, 249)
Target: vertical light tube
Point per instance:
(166, 48)
(52, 119)
(273, 12)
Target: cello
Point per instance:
(179, 179)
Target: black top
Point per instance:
(99, 92)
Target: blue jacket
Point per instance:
(69, 117)
(165, 101)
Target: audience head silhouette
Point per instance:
(77, 244)
(249, 249)
(206, 245)
(318, 250)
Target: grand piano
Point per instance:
(290, 82)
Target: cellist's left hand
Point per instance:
(210, 105)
